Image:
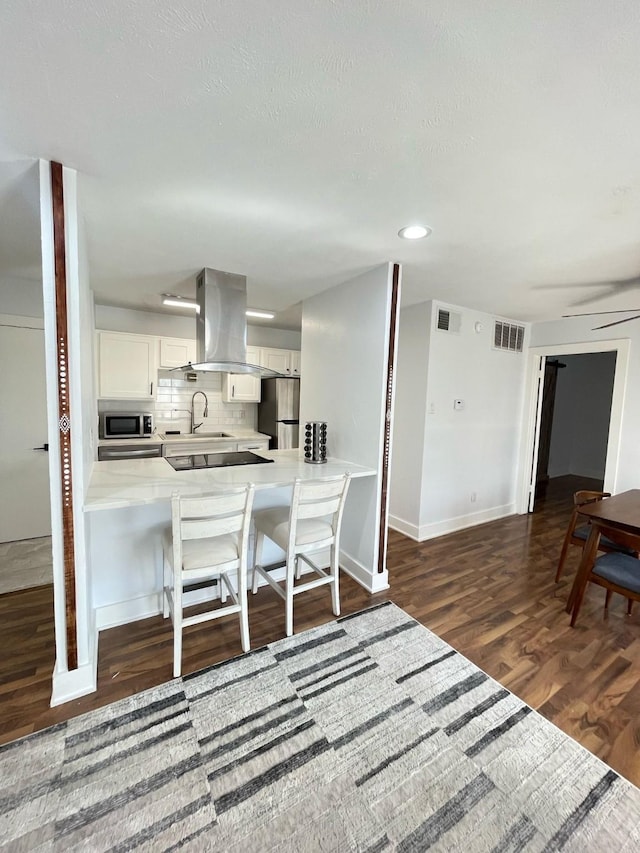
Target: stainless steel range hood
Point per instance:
(221, 324)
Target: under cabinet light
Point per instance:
(264, 315)
(178, 302)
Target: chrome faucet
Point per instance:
(205, 411)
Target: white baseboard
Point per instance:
(402, 526)
(122, 612)
(71, 685)
(451, 525)
(371, 581)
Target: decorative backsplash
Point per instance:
(172, 405)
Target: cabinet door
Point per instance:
(256, 444)
(277, 359)
(254, 355)
(178, 448)
(241, 388)
(175, 352)
(295, 362)
(127, 366)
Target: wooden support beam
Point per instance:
(384, 480)
(64, 413)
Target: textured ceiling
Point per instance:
(291, 140)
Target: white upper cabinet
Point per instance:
(276, 359)
(295, 362)
(241, 387)
(254, 356)
(283, 361)
(176, 352)
(127, 366)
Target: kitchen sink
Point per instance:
(189, 436)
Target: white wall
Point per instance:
(171, 325)
(21, 297)
(578, 331)
(581, 415)
(466, 460)
(345, 341)
(414, 335)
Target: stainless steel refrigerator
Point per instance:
(278, 411)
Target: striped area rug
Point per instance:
(368, 733)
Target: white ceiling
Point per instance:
(290, 141)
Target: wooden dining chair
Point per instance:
(207, 541)
(312, 523)
(615, 571)
(577, 533)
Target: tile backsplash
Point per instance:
(172, 405)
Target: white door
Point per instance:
(24, 472)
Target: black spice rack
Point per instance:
(315, 442)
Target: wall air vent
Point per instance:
(508, 336)
(448, 321)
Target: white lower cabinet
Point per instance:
(177, 448)
(127, 366)
(256, 444)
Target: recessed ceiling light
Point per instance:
(414, 232)
(179, 302)
(264, 315)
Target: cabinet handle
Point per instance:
(151, 392)
(233, 390)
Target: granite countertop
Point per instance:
(134, 482)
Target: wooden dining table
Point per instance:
(619, 512)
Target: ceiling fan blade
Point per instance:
(598, 313)
(616, 322)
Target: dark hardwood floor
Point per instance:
(488, 591)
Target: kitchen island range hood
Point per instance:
(221, 325)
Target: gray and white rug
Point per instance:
(368, 733)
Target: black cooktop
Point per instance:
(214, 460)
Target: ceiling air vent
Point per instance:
(508, 336)
(448, 321)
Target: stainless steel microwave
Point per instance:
(125, 424)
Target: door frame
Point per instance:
(529, 437)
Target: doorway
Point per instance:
(25, 513)
(574, 424)
(616, 359)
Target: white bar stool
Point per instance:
(312, 523)
(208, 539)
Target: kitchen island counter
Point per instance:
(136, 482)
(128, 504)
